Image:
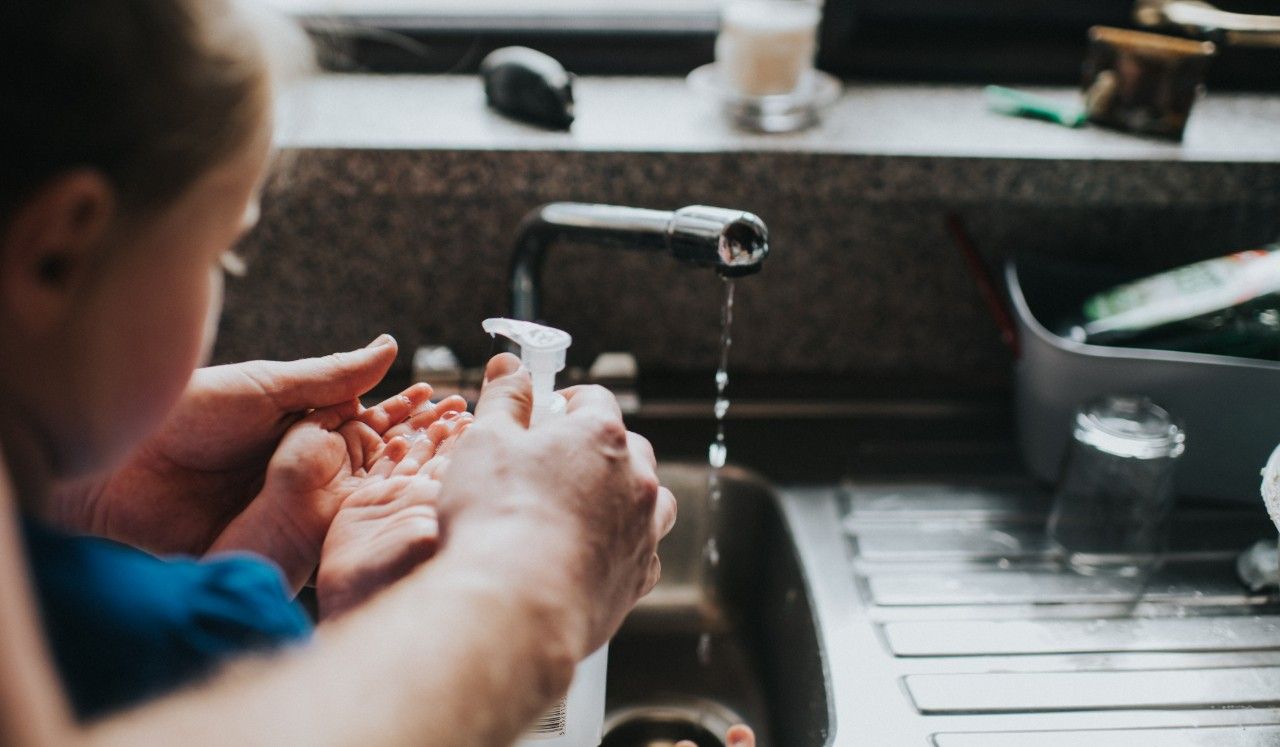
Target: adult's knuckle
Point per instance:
(597, 427)
(639, 441)
(596, 391)
(647, 487)
(652, 575)
(611, 431)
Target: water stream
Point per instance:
(717, 453)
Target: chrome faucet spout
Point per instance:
(732, 242)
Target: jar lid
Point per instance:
(1129, 426)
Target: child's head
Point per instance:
(133, 137)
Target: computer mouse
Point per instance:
(530, 86)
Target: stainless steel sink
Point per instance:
(933, 613)
(950, 623)
(723, 642)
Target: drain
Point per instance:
(662, 724)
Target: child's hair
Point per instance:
(151, 93)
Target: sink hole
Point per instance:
(702, 722)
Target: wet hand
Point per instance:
(330, 456)
(389, 526)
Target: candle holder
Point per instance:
(795, 110)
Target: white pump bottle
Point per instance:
(577, 719)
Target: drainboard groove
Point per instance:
(1015, 637)
(1194, 535)
(1253, 735)
(1043, 692)
(1185, 583)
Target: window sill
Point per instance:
(346, 111)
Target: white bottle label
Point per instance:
(551, 724)
(576, 720)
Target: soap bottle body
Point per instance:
(577, 718)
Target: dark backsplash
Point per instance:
(864, 282)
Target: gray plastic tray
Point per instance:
(1229, 406)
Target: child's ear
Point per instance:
(47, 248)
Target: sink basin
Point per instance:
(716, 643)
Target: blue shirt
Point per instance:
(124, 625)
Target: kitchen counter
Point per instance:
(665, 115)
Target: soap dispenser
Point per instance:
(577, 719)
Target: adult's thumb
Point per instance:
(507, 392)
(318, 382)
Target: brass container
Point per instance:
(1142, 82)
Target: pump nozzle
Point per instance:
(541, 351)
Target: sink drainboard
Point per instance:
(993, 641)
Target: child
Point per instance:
(336, 456)
(134, 135)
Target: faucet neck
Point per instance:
(733, 242)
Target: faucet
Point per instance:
(733, 242)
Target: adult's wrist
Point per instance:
(532, 563)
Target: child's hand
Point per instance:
(388, 527)
(321, 461)
(739, 735)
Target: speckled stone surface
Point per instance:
(863, 282)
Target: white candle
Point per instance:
(765, 46)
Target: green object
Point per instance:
(1224, 306)
(1022, 104)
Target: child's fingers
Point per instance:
(436, 466)
(459, 427)
(364, 444)
(740, 735)
(392, 453)
(426, 414)
(329, 418)
(397, 409)
(453, 403)
(419, 419)
(449, 424)
(426, 445)
(421, 449)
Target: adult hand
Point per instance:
(182, 486)
(571, 507)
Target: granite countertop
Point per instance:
(665, 115)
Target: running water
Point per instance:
(717, 453)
